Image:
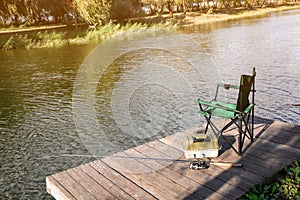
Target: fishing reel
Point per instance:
(202, 164)
(199, 164)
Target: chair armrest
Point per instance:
(206, 103)
(228, 86)
(216, 105)
(248, 108)
(234, 110)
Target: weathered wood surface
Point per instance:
(150, 171)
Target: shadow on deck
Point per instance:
(276, 145)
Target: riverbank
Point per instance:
(58, 36)
(64, 36)
(29, 29)
(213, 15)
(197, 18)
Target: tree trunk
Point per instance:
(16, 22)
(184, 6)
(76, 21)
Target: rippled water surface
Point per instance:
(147, 92)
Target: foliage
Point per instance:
(68, 36)
(286, 185)
(40, 39)
(94, 12)
(17, 42)
(50, 39)
(98, 12)
(122, 9)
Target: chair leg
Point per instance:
(245, 130)
(208, 123)
(240, 142)
(236, 150)
(252, 124)
(243, 127)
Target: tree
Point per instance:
(94, 12)
(4, 11)
(123, 9)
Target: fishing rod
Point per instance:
(114, 156)
(293, 104)
(194, 164)
(201, 164)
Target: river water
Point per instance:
(55, 103)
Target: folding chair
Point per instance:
(239, 113)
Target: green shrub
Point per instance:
(285, 185)
(40, 39)
(17, 42)
(50, 39)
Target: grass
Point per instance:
(284, 185)
(68, 36)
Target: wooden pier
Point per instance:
(150, 171)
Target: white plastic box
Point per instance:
(201, 146)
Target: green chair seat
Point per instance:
(219, 109)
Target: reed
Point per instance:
(59, 38)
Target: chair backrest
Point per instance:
(246, 84)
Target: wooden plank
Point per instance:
(136, 191)
(115, 190)
(268, 164)
(57, 190)
(292, 128)
(244, 183)
(279, 135)
(170, 151)
(89, 184)
(250, 164)
(177, 178)
(160, 166)
(205, 180)
(273, 148)
(222, 186)
(269, 161)
(161, 183)
(185, 182)
(289, 130)
(192, 185)
(139, 180)
(245, 175)
(280, 155)
(248, 177)
(228, 176)
(283, 155)
(205, 192)
(213, 183)
(156, 171)
(72, 186)
(175, 140)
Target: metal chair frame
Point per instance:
(240, 114)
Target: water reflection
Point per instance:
(134, 84)
(35, 117)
